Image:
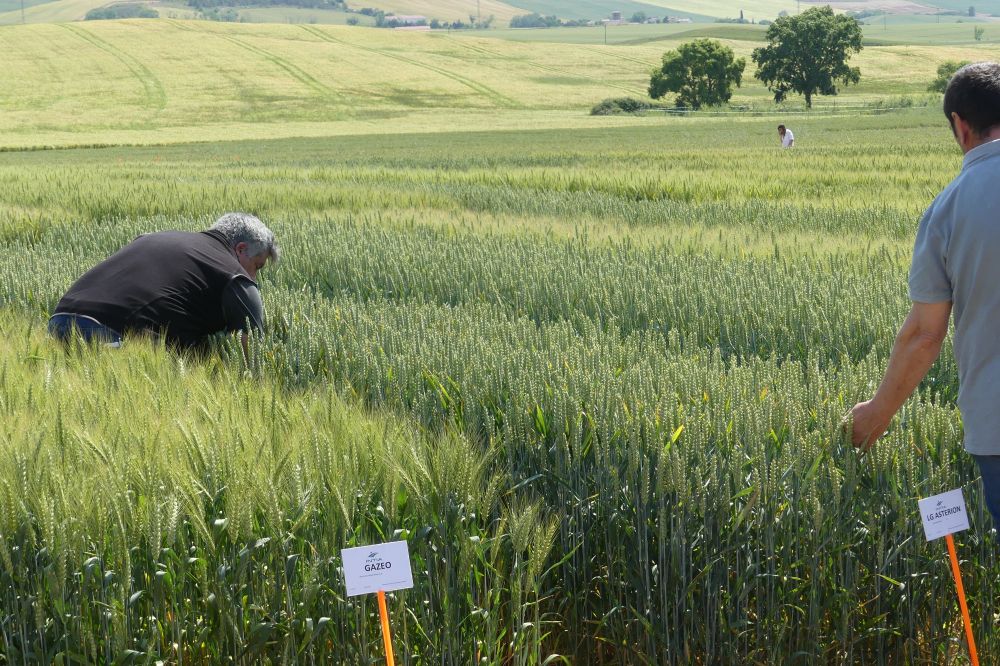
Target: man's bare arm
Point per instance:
(917, 346)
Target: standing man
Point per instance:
(184, 286)
(786, 136)
(955, 264)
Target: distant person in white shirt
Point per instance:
(787, 138)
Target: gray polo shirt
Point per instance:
(957, 258)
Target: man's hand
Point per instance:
(917, 345)
(869, 422)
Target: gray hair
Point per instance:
(245, 228)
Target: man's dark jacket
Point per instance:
(182, 285)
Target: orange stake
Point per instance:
(961, 600)
(387, 637)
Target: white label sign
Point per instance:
(383, 566)
(944, 514)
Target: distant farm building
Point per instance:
(616, 19)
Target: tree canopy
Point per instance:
(945, 71)
(701, 72)
(318, 4)
(535, 20)
(807, 54)
(120, 11)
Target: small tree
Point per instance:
(639, 17)
(808, 53)
(701, 72)
(972, 10)
(945, 71)
(978, 32)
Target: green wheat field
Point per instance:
(592, 369)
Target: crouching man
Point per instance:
(184, 286)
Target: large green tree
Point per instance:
(702, 73)
(807, 54)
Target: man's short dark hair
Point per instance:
(974, 94)
(781, 127)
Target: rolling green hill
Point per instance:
(136, 82)
(502, 11)
(708, 10)
(757, 9)
(982, 6)
(280, 14)
(898, 30)
(57, 11)
(634, 34)
(450, 10)
(15, 5)
(598, 9)
(930, 33)
(699, 10)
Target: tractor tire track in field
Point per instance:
(608, 52)
(293, 70)
(497, 97)
(153, 89)
(180, 26)
(546, 68)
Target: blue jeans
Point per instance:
(63, 325)
(989, 466)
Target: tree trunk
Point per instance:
(809, 100)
